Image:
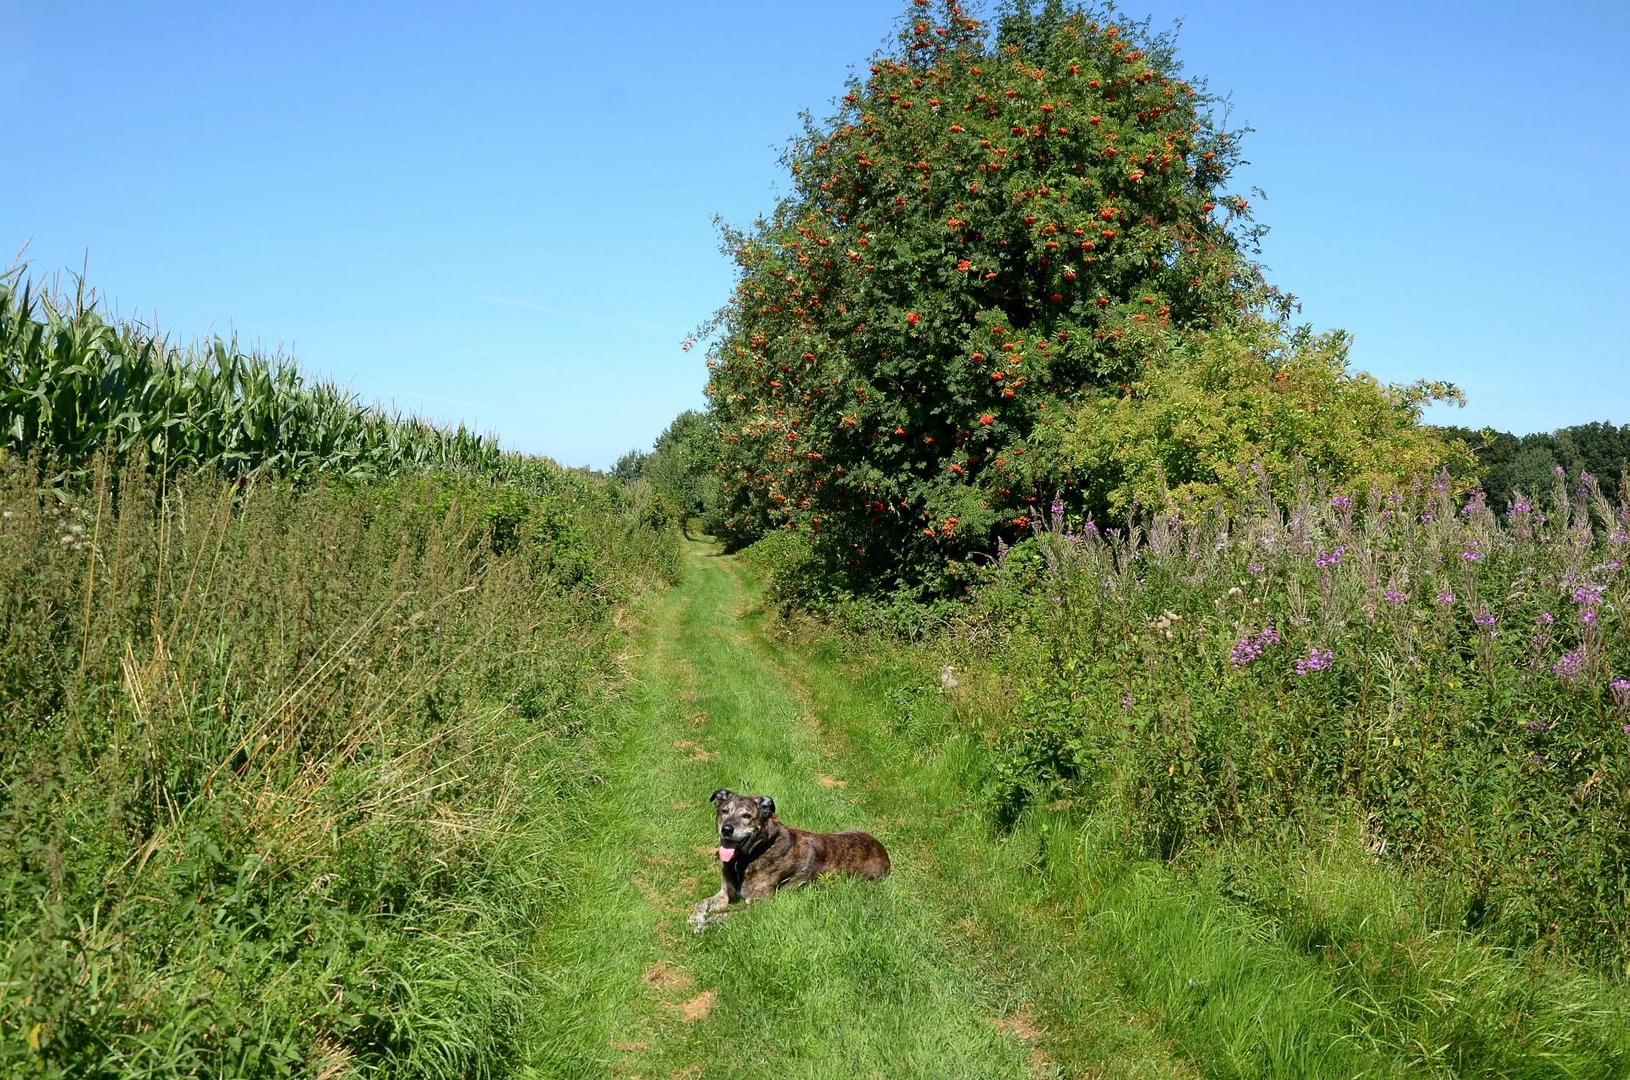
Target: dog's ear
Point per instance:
(721, 795)
(766, 804)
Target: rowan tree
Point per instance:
(993, 218)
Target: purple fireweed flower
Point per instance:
(1317, 660)
(1519, 507)
(1585, 596)
(1427, 517)
(1248, 649)
(1570, 667)
(1620, 689)
(1544, 618)
(1619, 536)
(1253, 568)
(1471, 554)
(1445, 598)
(1537, 726)
(1485, 619)
(1393, 596)
(1323, 561)
(1340, 502)
(1127, 701)
(1396, 498)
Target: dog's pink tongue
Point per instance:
(726, 853)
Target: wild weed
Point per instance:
(279, 767)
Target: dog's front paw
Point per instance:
(698, 921)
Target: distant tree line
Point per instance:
(1509, 463)
(680, 466)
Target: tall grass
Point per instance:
(280, 768)
(73, 383)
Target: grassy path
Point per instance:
(937, 971)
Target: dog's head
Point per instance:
(742, 819)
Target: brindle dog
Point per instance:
(758, 854)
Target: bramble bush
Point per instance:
(1453, 685)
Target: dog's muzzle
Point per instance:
(730, 840)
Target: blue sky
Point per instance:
(501, 212)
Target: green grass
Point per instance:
(847, 979)
(323, 783)
(947, 968)
(1311, 961)
(1088, 933)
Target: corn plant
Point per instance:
(75, 383)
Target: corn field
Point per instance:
(73, 383)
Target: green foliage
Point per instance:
(981, 235)
(281, 768)
(1509, 465)
(73, 384)
(683, 462)
(1213, 418)
(629, 467)
(788, 566)
(1457, 685)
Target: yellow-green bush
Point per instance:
(1213, 418)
